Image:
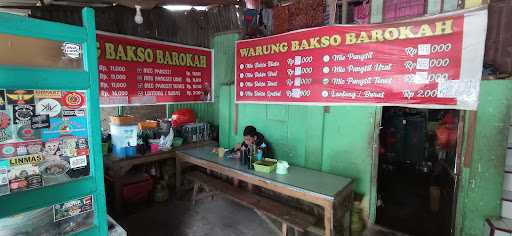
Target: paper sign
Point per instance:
(47, 93)
(40, 121)
(23, 113)
(392, 64)
(73, 100)
(72, 208)
(49, 107)
(20, 97)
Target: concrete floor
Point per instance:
(217, 217)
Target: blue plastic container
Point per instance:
(119, 152)
(259, 155)
(131, 151)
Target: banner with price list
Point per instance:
(430, 62)
(135, 71)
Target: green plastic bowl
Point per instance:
(177, 141)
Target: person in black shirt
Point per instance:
(253, 137)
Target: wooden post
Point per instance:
(194, 193)
(178, 173)
(470, 139)
(328, 221)
(284, 229)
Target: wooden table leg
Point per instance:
(118, 192)
(178, 173)
(328, 221)
(236, 182)
(249, 187)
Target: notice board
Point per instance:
(135, 71)
(433, 62)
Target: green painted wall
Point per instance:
(481, 183)
(224, 70)
(339, 141)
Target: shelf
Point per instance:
(28, 200)
(91, 231)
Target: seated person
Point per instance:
(253, 137)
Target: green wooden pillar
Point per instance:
(60, 78)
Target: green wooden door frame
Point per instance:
(12, 77)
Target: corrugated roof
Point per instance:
(192, 27)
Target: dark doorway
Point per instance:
(416, 180)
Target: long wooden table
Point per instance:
(333, 193)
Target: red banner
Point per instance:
(431, 62)
(135, 71)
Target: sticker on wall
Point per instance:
(71, 50)
(24, 172)
(49, 107)
(26, 133)
(78, 162)
(31, 147)
(82, 147)
(73, 100)
(82, 143)
(5, 126)
(7, 150)
(82, 167)
(54, 171)
(82, 152)
(3, 102)
(23, 113)
(47, 94)
(51, 148)
(4, 177)
(73, 112)
(68, 126)
(20, 97)
(72, 208)
(40, 121)
(67, 146)
(21, 150)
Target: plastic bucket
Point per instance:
(119, 152)
(124, 135)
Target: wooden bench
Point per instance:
(288, 216)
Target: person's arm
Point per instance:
(240, 146)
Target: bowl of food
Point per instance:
(54, 171)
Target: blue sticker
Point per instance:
(67, 126)
(4, 177)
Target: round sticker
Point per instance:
(49, 107)
(8, 150)
(73, 100)
(26, 133)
